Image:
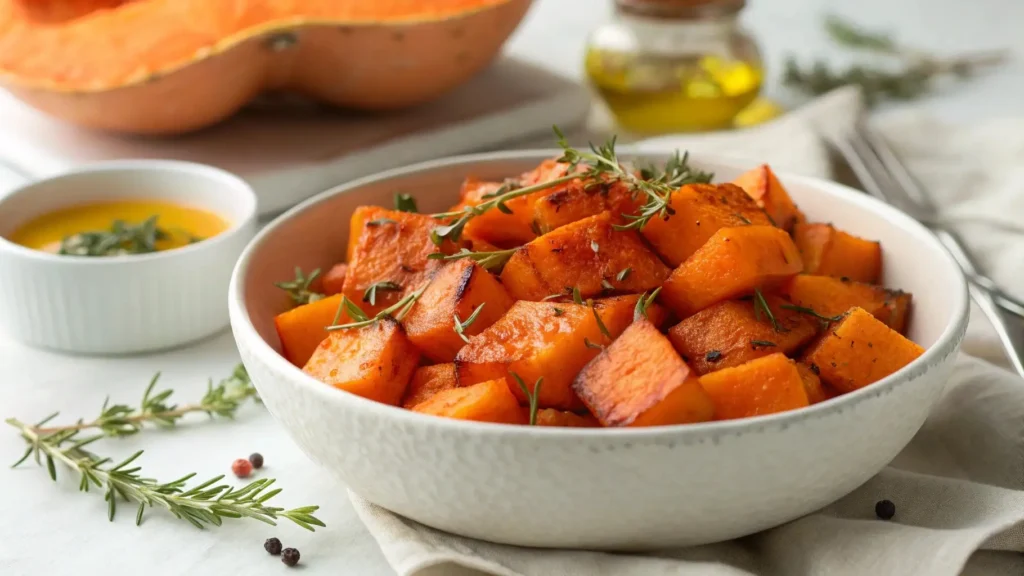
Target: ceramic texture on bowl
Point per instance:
(123, 304)
(596, 488)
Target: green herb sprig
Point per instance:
(462, 325)
(493, 261)
(761, 310)
(811, 312)
(370, 294)
(643, 303)
(122, 238)
(532, 397)
(299, 288)
(405, 203)
(397, 311)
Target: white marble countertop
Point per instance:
(50, 529)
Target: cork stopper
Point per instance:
(683, 9)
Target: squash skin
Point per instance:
(207, 71)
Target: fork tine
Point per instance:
(907, 184)
(867, 177)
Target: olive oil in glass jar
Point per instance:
(674, 65)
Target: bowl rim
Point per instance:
(228, 181)
(946, 344)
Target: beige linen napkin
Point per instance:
(959, 485)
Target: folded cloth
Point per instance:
(959, 484)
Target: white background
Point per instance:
(48, 529)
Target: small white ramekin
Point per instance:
(123, 304)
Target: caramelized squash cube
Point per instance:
(427, 381)
(562, 419)
(827, 251)
(762, 186)
(484, 402)
(588, 255)
(859, 350)
(816, 391)
(700, 210)
(302, 328)
(574, 201)
(762, 386)
(374, 361)
(640, 381)
(733, 263)
(830, 296)
(730, 333)
(333, 282)
(457, 289)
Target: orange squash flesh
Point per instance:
(731, 264)
(640, 381)
(700, 211)
(574, 202)
(374, 362)
(457, 288)
(427, 381)
(815, 390)
(729, 334)
(301, 329)
(762, 185)
(394, 247)
(762, 386)
(534, 340)
(484, 402)
(171, 66)
(830, 296)
(333, 282)
(827, 251)
(859, 350)
(561, 418)
(589, 255)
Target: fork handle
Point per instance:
(1012, 341)
(956, 246)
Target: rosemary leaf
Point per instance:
(298, 289)
(532, 397)
(370, 294)
(460, 326)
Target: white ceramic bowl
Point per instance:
(596, 488)
(122, 304)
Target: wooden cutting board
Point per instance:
(288, 149)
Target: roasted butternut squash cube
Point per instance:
(360, 216)
(827, 251)
(457, 289)
(575, 201)
(700, 211)
(762, 386)
(333, 282)
(392, 250)
(859, 350)
(484, 402)
(762, 185)
(427, 381)
(374, 361)
(732, 263)
(731, 333)
(301, 329)
(830, 296)
(534, 340)
(562, 419)
(640, 380)
(812, 384)
(617, 312)
(588, 255)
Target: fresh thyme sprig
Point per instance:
(913, 79)
(643, 303)
(488, 260)
(222, 400)
(298, 289)
(205, 504)
(532, 397)
(461, 325)
(370, 294)
(398, 311)
(761, 309)
(122, 238)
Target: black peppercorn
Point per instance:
(885, 509)
(273, 546)
(256, 459)
(290, 556)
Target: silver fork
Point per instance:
(885, 177)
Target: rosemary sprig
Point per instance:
(761, 310)
(204, 504)
(914, 78)
(298, 289)
(577, 297)
(460, 325)
(222, 400)
(398, 311)
(121, 238)
(762, 343)
(488, 260)
(597, 318)
(811, 312)
(532, 397)
(405, 203)
(370, 294)
(643, 303)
